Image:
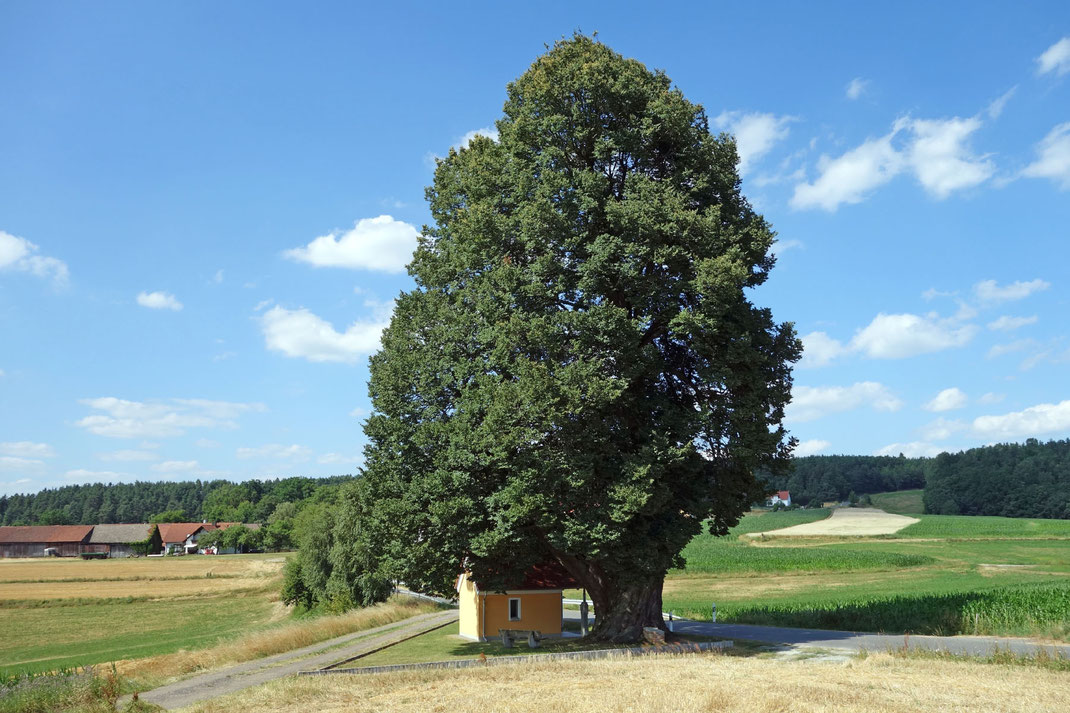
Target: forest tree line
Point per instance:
(1030, 479)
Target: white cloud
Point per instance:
(996, 107)
(940, 429)
(159, 300)
(136, 419)
(856, 88)
(998, 350)
(1053, 157)
(1007, 323)
(914, 449)
(780, 247)
(18, 463)
(27, 449)
(338, 458)
(812, 402)
(206, 443)
(896, 336)
(175, 466)
(489, 131)
(1033, 421)
(262, 304)
(941, 159)
(99, 475)
(947, 400)
(755, 133)
(1055, 59)
(819, 349)
(360, 412)
(382, 244)
(275, 450)
(851, 177)
(991, 398)
(990, 292)
(218, 277)
(300, 333)
(19, 254)
(128, 456)
(811, 447)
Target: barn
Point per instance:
(117, 540)
(32, 541)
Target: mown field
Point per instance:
(942, 575)
(67, 612)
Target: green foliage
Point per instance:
(962, 526)
(152, 544)
(818, 479)
(98, 503)
(178, 515)
(1030, 479)
(337, 565)
(69, 690)
(579, 373)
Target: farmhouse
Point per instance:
(780, 497)
(182, 536)
(117, 540)
(67, 540)
(533, 604)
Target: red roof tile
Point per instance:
(178, 531)
(45, 533)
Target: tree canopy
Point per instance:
(579, 374)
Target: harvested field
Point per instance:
(140, 588)
(692, 683)
(849, 522)
(50, 570)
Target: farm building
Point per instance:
(533, 604)
(66, 540)
(116, 540)
(780, 497)
(182, 536)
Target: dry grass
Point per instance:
(848, 522)
(286, 637)
(878, 683)
(52, 570)
(127, 588)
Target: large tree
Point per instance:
(579, 374)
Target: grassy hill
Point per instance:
(900, 502)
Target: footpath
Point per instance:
(253, 673)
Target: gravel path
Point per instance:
(847, 522)
(254, 673)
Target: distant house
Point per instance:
(117, 540)
(182, 536)
(534, 603)
(66, 540)
(780, 497)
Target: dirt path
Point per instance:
(847, 522)
(253, 673)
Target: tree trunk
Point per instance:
(622, 612)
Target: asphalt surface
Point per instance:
(253, 673)
(861, 641)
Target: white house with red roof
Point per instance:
(780, 497)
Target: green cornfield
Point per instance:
(1042, 609)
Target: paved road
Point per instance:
(254, 673)
(858, 641)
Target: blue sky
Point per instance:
(205, 209)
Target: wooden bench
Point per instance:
(508, 635)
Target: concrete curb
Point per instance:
(532, 658)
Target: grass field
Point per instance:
(879, 683)
(900, 502)
(943, 575)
